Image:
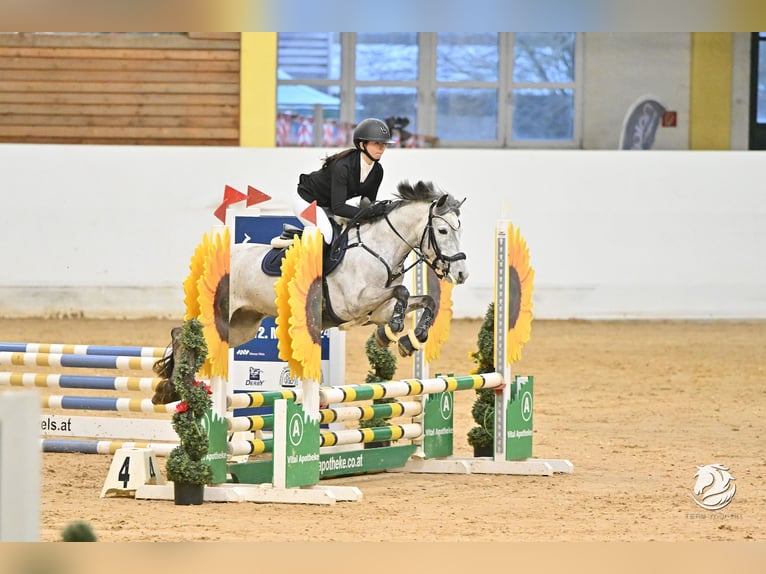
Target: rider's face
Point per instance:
(376, 149)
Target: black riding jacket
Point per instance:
(332, 186)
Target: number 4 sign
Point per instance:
(131, 468)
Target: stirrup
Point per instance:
(286, 239)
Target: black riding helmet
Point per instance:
(371, 130)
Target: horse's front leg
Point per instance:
(416, 338)
(390, 331)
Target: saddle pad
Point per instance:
(332, 255)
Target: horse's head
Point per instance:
(444, 231)
(440, 239)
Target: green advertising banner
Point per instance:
(438, 413)
(217, 453)
(302, 461)
(518, 424)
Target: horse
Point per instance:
(367, 265)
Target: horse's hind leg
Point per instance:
(416, 338)
(390, 331)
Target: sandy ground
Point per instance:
(635, 406)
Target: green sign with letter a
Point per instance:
(438, 413)
(302, 445)
(518, 423)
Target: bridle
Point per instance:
(440, 263)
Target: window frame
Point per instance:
(426, 85)
(757, 130)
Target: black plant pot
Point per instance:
(186, 494)
(481, 451)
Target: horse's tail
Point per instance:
(166, 391)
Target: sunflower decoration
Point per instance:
(306, 307)
(293, 256)
(441, 291)
(520, 285)
(213, 288)
(196, 267)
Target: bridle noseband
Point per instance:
(441, 263)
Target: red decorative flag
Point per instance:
(220, 212)
(231, 195)
(310, 213)
(255, 196)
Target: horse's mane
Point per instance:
(426, 191)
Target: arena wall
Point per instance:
(107, 231)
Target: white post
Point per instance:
(420, 284)
(19, 466)
(501, 328)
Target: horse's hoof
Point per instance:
(405, 348)
(380, 338)
(409, 344)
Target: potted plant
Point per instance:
(382, 368)
(482, 436)
(185, 466)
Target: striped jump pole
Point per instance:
(93, 382)
(363, 413)
(105, 404)
(65, 349)
(261, 398)
(79, 361)
(101, 446)
(371, 434)
(249, 447)
(408, 388)
(326, 416)
(333, 438)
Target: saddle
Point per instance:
(332, 254)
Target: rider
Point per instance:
(352, 173)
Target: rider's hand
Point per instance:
(375, 210)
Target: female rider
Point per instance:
(352, 173)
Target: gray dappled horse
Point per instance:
(365, 287)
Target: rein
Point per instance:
(420, 256)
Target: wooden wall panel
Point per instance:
(120, 88)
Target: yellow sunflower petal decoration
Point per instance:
(520, 285)
(306, 307)
(191, 291)
(284, 340)
(441, 291)
(213, 289)
(196, 267)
